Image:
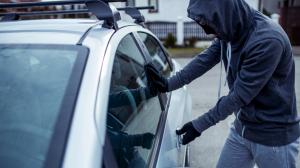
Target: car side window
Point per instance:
(156, 52)
(133, 113)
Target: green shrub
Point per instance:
(170, 41)
(192, 42)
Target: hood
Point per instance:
(230, 19)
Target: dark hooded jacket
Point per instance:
(260, 70)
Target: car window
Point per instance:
(156, 52)
(33, 82)
(130, 48)
(133, 114)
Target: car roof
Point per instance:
(50, 31)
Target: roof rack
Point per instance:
(136, 14)
(49, 3)
(99, 8)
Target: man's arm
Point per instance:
(197, 67)
(257, 69)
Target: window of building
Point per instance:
(155, 4)
(130, 3)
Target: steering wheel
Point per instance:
(130, 98)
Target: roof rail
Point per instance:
(99, 8)
(50, 3)
(136, 14)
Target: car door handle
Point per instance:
(178, 140)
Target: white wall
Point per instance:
(171, 10)
(253, 3)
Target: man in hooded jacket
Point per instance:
(260, 70)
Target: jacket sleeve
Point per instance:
(256, 70)
(197, 67)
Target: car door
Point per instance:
(177, 106)
(133, 114)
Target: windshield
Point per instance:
(33, 82)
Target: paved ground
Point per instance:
(205, 150)
(296, 50)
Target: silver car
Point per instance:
(73, 94)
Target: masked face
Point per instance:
(206, 27)
(208, 30)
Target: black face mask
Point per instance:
(206, 28)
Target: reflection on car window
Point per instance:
(33, 82)
(157, 54)
(133, 114)
(130, 49)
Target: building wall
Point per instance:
(171, 10)
(168, 10)
(272, 6)
(253, 3)
(290, 21)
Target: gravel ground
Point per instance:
(205, 150)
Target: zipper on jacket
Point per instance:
(243, 127)
(243, 131)
(238, 115)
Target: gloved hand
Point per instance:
(150, 91)
(145, 140)
(155, 78)
(190, 133)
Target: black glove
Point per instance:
(155, 78)
(150, 92)
(190, 133)
(145, 140)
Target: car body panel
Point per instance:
(88, 128)
(52, 31)
(89, 122)
(171, 153)
(86, 139)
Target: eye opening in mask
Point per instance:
(201, 22)
(205, 26)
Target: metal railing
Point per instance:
(191, 30)
(162, 29)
